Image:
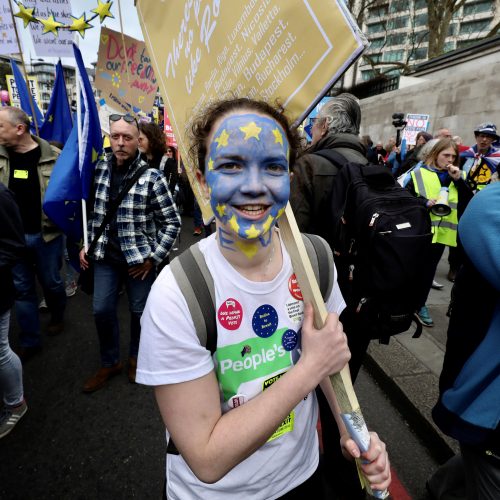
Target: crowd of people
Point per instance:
(244, 152)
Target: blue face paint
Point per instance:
(247, 172)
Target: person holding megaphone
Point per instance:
(441, 185)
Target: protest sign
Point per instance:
(169, 133)
(293, 50)
(48, 44)
(132, 90)
(8, 43)
(14, 94)
(414, 125)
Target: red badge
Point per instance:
(230, 314)
(294, 287)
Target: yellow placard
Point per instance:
(125, 78)
(14, 93)
(293, 50)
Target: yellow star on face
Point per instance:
(25, 14)
(80, 24)
(267, 225)
(102, 10)
(221, 210)
(253, 232)
(210, 164)
(223, 139)
(234, 224)
(278, 138)
(50, 25)
(251, 130)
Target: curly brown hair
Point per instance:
(156, 138)
(200, 126)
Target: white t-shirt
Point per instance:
(258, 340)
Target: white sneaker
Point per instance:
(43, 305)
(9, 417)
(436, 285)
(71, 289)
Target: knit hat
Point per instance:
(488, 129)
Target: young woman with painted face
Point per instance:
(244, 420)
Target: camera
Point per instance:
(398, 120)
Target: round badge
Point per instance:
(294, 287)
(289, 340)
(230, 314)
(298, 348)
(236, 400)
(265, 321)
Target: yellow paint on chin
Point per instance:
(281, 212)
(267, 225)
(247, 248)
(253, 232)
(233, 223)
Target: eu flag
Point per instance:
(73, 172)
(24, 97)
(58, 122)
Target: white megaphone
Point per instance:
(441, 208)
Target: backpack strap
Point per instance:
(333, 156)
(321, 257)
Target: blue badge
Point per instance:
(298, 348)
(289, 340)
(265, 321)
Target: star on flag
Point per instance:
(25, 14)
(102, 10)
(50, 25)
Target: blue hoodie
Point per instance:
(469, 405)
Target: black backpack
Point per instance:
(380, 236)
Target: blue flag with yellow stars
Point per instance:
(74, 170)
(24, 98)
(58, 123)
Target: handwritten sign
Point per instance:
(14, 93)
(131, 90)
(415, 124)
(8, 44)
(169, 133)
(293, 50)
(47, 44)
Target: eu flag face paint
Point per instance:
(247, 173)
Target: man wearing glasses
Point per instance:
(137, 239)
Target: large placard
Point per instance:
(14, 93)
(291, 50)
(8, 42)
(132, 90)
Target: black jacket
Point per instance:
(11, 245)
(313, 178)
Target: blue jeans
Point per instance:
(43, 261)
(11, 371)
(108, 279)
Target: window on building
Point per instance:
(449, 46)
(452, 29)
(378, 11)
(398, 22)
(421, 19)
(399, 5)
(393, 72)
(377, 43)
(465, 43)
(393, 56)
(474, 26)
(397, 39)
(420, 4)
(418, 54)
(375, 27)
(375, 57)
(367, 75)
(478, 7)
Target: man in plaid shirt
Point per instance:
(138, 238)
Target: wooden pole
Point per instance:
(123, 39)
(341, 382)
(32, 105)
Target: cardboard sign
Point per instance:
(415, 124)
(47, 44)
(132, 90)
(8, 43)
(293, 50)
(14, 94)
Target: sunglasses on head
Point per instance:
(127, 118)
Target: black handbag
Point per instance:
(86, 279)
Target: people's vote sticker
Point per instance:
(294, 287)
(237, 400)
(230, 314)
(289, 340)
(265, 321)
(295, 310)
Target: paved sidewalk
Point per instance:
(409, 368)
